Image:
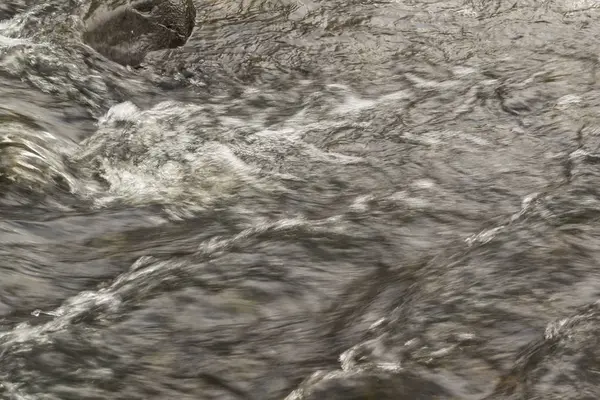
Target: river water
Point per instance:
(309, 200)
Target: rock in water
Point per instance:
(126, 30)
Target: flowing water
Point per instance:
(354, 199)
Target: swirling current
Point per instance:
(308, 199)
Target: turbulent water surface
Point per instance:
(310, 199)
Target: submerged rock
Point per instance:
(126, 30)
(9, 9)
(365, 385)
(563, 364)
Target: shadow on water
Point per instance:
(307, 200)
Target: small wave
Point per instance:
(32, 160)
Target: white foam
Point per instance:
(11, 42)
(126, 111)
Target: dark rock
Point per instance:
(126, 30)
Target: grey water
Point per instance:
(310, 199)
